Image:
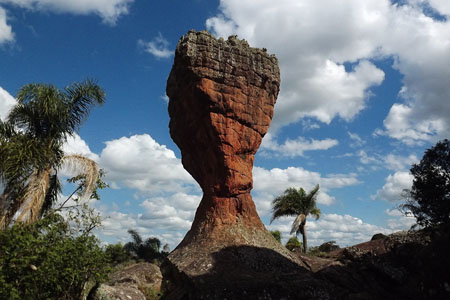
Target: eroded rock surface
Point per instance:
(132, 282)
(222, 95)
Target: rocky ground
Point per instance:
(139, 281)
(403, 265)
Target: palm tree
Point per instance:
(297, 203)
(147, 250)
(31, 141)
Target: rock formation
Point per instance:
(222, 96)
(132, 282)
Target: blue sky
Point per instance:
(365, 90)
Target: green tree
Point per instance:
(293, 243)
(276, 234)
(297, 203)
(116, 254)
(148, 250)
(429, 198)
(31, 141)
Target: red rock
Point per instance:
(222, 95)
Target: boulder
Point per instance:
(133, 282)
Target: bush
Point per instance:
(429, 198)
(46, 260)
(276, 234)
(328, 246)
(293, 243)
(116, 254)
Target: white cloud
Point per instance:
(268, 184)
(108, 10)
(442, 6)
(6, 102)
(174, 212)
(346, 230)
(421, 46)
(366, 159)
(357, 141)
(398, 221)
(76, 145)
(394, 186)
(6, 34)
(141, 163)
(398, 162)
(312, 40)
(293, 148)
(159, 47)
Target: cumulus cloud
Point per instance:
(6, 33)
(141, 163)
(398, 221)
(293, 148)
(323, 35)
(76, 145)
(268, 184)
(167, 217)
(108, 10)
(6, 102)
(422, 56)
(346, 230)
(158, 47)
(394, 186)
(398, 162)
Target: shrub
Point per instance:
(46, 260)
(116, 254)
(276, 234)
(293, 243)
(328, 246)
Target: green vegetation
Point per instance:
(31, 143)
(429, 198)
(293, 243)
(148, 250)
(277, 235)
(324, 249)
(297, 203)
(48, 252)
(116, 254)
(50, 259)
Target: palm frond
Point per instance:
(78, 164)
(81, 97)
(137, 240)
(299, 220)
(315, 212)
(285, 205)
(34, 197)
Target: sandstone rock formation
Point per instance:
(222, 96)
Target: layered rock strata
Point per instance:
(222, 95)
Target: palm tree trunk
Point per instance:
(3, 208)
(305, 242)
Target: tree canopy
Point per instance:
(31, 141)
(429, 197)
